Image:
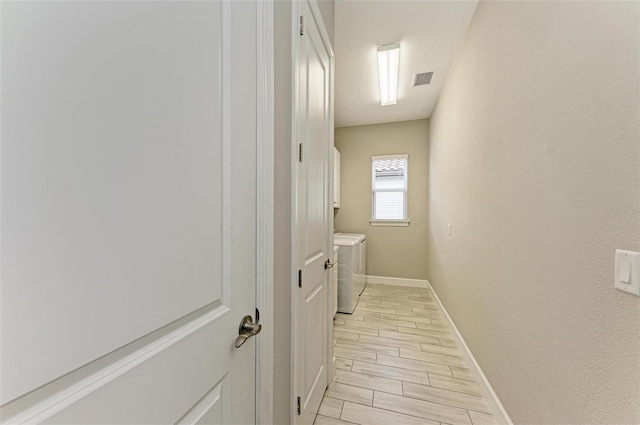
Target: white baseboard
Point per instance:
(499, 412)
(398, 281)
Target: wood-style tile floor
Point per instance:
(397, 363)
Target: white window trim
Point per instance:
(396, 222)
(396, 156)
(389, 223)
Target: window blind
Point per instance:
(389, 186)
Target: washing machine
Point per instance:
(362, 265)
(348, 277)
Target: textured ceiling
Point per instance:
(429, 32)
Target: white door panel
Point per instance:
(316, 139)
(160, 389)
(94, 177)
(313, 220)
(208, 411)
(128, 210)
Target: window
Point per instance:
(389, 188)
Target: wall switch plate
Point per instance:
(628, 271)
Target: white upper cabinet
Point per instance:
(336, 178)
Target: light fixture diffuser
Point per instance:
(388, 68)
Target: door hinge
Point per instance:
(300, 152)
(301, 25)
(299, 407)
(299, 278)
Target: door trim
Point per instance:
(265, 213)
(295, 231)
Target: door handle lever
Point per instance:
(247, 330)
(328, 264)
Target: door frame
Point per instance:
(265, 210)
(295, 231)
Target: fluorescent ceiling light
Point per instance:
(388, 68)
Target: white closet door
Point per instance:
(313, 220)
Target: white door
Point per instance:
(313, 217)
(128, 212)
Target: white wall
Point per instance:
(534, 142)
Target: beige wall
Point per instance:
(533, 143)
(327, 10)
(282, 396)
(391, 251)
(282, 223)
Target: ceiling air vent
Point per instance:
(422, 79)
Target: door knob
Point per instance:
(328, 264)
(247, 330)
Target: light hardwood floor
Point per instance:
(397, 363)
